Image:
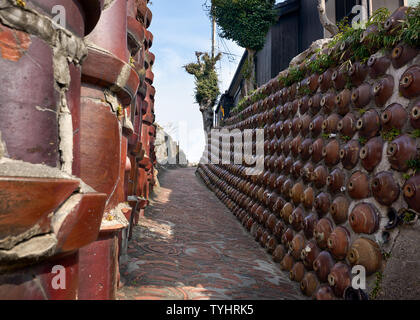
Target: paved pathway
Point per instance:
(189, 246)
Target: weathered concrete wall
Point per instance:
(337, 190)
(76, 143)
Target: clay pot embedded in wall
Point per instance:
(307, 172)
(325, 292)
(303, 105)
(410, 82)
(288, 163)
(415, 115)
(323, 265)
(309, 284)
(297, 272)
(285, 146)
(309, 253)
(394, 117)
(335, 181)
(314, 103)
(287, 262)
(411, 191)
(339, 278)
(369, 124)
(271, 244)
(331, 153)
(361, 95)
(295, 127)
(286, 211)
(287, 186)
(358, 185)
(304, 124)
(296, 192)
(402, 54)
(400, 150)
(322, 231)
(330, 124)
(295, 145)
(349, 154)
(383, 89)
(357, 73)
(286, 127)
(367, 253)
(307, 198)
(278, 131)
(312, 82)
(315, 126)
(278, 229)
(394, 21)
(287, 237)
(342, 100)
(338, 242)
(371, 153)
(364, 218)
(328, 102)
(378, 66)
(339, 78)
(319, 177)
(296, 246)
(384, 188)
(296, 219)
(325, 81)
(339, 209)
(279, 253)
(316, 150)
(304, 149)
(309, 224)
(347, 125)
(271, 222)
(322, 203)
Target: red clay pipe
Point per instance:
(295, 145)
(309, 253)
(410, 82)
(312, 82)
(296, 246)
(383, 90)
(371, 153)
(357, 73)
(278, 229)
(303, 149)
(287, 263)
(330, 124)
(319, 177)
(297, 272)
(316, 150)
(303, 105)
(304, 124)
(400, 150)
(327, 102)
(288, 163)
(394, 21)
(358, 185)
(331, 153)
(378, 66)
(369, 124)
(415, 115)
(411, 192)
(279, 253)
(402, 54)
(322, 231)
(307, 198)
(307, 172)
(364, 218)
(322, 203)
(295, 127)
(394, 117)
(309, 224)
(339, 278)
(296, 193)
(322, 265)
(384, 188)
(361, 95)
(309, 284)
(349, 154)
(347, 125)
(335, 180)
(338, 243)
(339, 209)
(342, 100)
(286, 211)
(296, 219)
(367, 253)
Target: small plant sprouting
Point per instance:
(325, 135)
(414, 164)
(415, 133)
(377, 288)
(362, 140)
(406, 176)
(409, 216)
(345, 138)
(391, 134)
(362, 111)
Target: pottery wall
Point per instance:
(76, 143)
(337, 184)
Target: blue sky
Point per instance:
(180, 28)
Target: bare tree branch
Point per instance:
(325, 21)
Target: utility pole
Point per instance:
(213, 36)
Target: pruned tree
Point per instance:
(246, 22)
(206, 85)
(325, 21)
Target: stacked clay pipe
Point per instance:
(72, 144)
(332, 169)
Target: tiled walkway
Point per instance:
(189, 246)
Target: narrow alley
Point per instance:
(182, 251)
